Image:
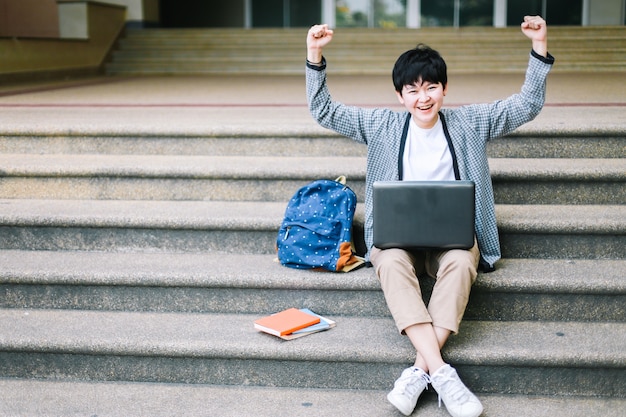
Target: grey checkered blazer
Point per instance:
(467, 128)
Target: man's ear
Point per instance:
(400, 98)
(445, 89)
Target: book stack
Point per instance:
(293, 323)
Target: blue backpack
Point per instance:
(316, 232)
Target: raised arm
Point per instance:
(317, 38)
(535, 28)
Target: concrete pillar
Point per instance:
(328, 13)
(247, 10)
(413, 14)
(151, 12)
(585, 17)
(499, 13)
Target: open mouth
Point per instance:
(425, 107)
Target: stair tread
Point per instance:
(516, 146)
(262, 272)
(589, 168)
(192, 166)
(355, 339)
(138, 213)
(603, 219)
(557, 219)
(80, 398)
(231, 166)
(91, 119)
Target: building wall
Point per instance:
(30, 57)
(29, 18)
(40, 19)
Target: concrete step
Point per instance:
(254, 178)
(553, 231)
(274, 145)
(558, 181)
(39, 398)
(353, 43)
(160, 177)
(517, 145)
(164, 292)
(530, 358)
(474, 32)
(253, 67)
(195, 56)
(520, 289)
(527, 231)
(450, 39)
(552, 145)
(466, 50)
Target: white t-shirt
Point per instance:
(426, 155)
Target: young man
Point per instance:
(428, 142)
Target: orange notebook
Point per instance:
(285, 322)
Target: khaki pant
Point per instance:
(454, 270)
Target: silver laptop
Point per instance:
(423, 214)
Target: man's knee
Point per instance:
(461, 264)
(390, 259)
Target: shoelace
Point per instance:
(409, 383)
(456, 391)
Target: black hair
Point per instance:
(419, 64)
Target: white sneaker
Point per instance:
(407, 389)
(459, 401)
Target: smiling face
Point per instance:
(423, 100)
(421, 82)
